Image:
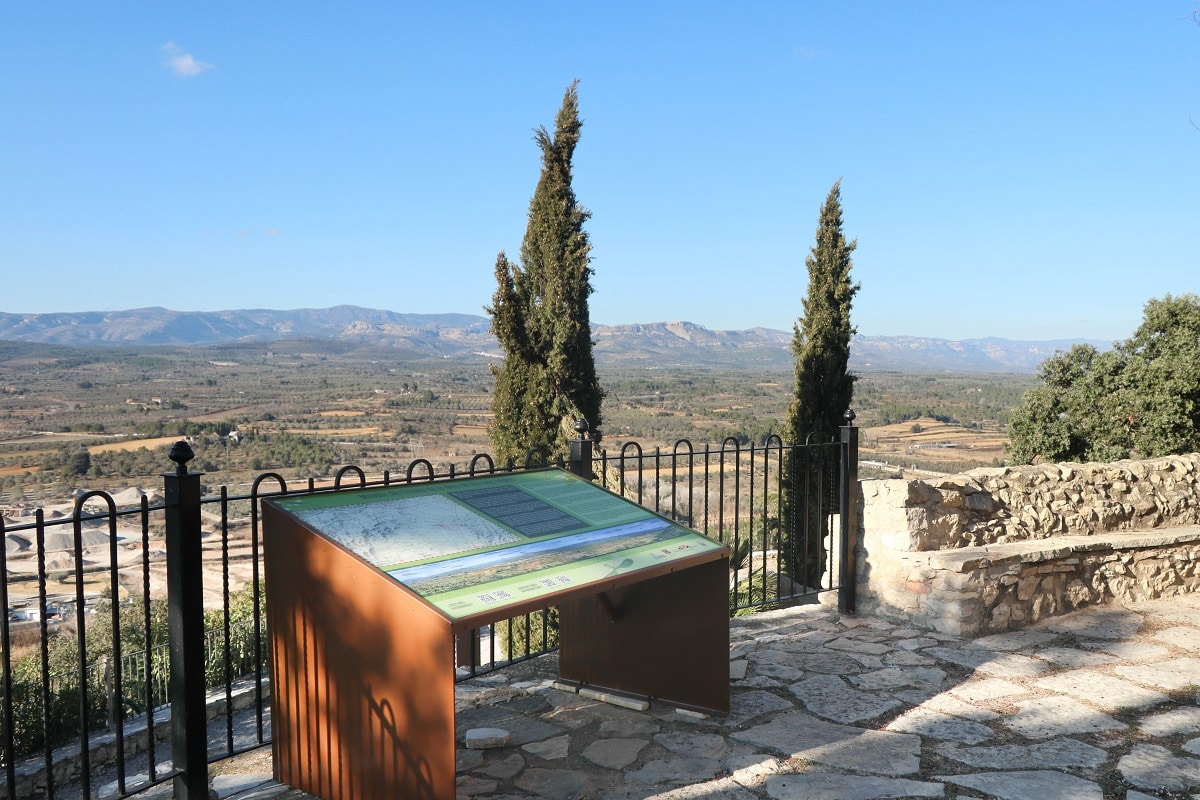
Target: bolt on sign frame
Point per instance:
(367, 590)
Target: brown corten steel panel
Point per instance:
(669, 639)
(362, 700)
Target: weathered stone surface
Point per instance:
(676, 770)
(829, 786)
(891, 678)
(1172, 723)
(747, 705)
(629, 726)
(801, 735)
(504, 768)
(940, 726)
(904, 658)
(1055, 754)
(614, 753)
(1097, 623)
(724, 788)
(1173, 674)
(831, 697)
(471, 786)
(1150, 766)
(1002, 665)
(916, 643)
(1058, 716)
(987, 689)
(697, 745)
(1102, 690)
(467, 760)
(783, 672)
(1025, 785)
(1130, 650)
(1071, 658)
(557, 784)
(483, 738)
(749, 767)
(947, 703)
(520, 717)
(761, 682)
(550, 749)
(827, 663)
(1186, 637)
(1012, 640)
(850, 645)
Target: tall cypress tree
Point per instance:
(540, 311)
(824, 386)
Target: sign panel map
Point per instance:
(478, 544)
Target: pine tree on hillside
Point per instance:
(540, 312)
(824, 385)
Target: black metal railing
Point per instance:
(87, 665)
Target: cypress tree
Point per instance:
(540, 311)
(824, 388)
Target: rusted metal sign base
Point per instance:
(362, 693)
(666, 638)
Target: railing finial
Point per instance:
(181, 453)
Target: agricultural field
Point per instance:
(106, 417)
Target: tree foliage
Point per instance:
(821, 342)
(1140, 399)
(540, 311)
(824, 385)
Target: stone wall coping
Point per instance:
(968, 559)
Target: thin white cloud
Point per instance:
(184, 64)
(807, 53)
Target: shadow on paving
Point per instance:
(1098, 704)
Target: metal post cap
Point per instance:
(181, 453)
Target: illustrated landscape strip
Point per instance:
(531, 584)
(470, 570)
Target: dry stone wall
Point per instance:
(994, 549)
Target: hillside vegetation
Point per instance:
(104, 417)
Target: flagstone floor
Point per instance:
(1100, 704)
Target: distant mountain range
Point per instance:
(658, 344)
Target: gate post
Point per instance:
(848, 513)
(185, 617)
(580, 459)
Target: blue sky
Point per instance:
(1028, 170)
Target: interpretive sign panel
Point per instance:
(478, 545)
(372, 593)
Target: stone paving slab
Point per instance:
(1097, 622)
(1130, 649)
(1058, 716)
(800, 735)
(1180, 636)
(1054, 754)
(1172, 675)
(936, 725)
(1096, 703)
(1150, 766)
(1025, 785)
(1102, 690)
(835, 786)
